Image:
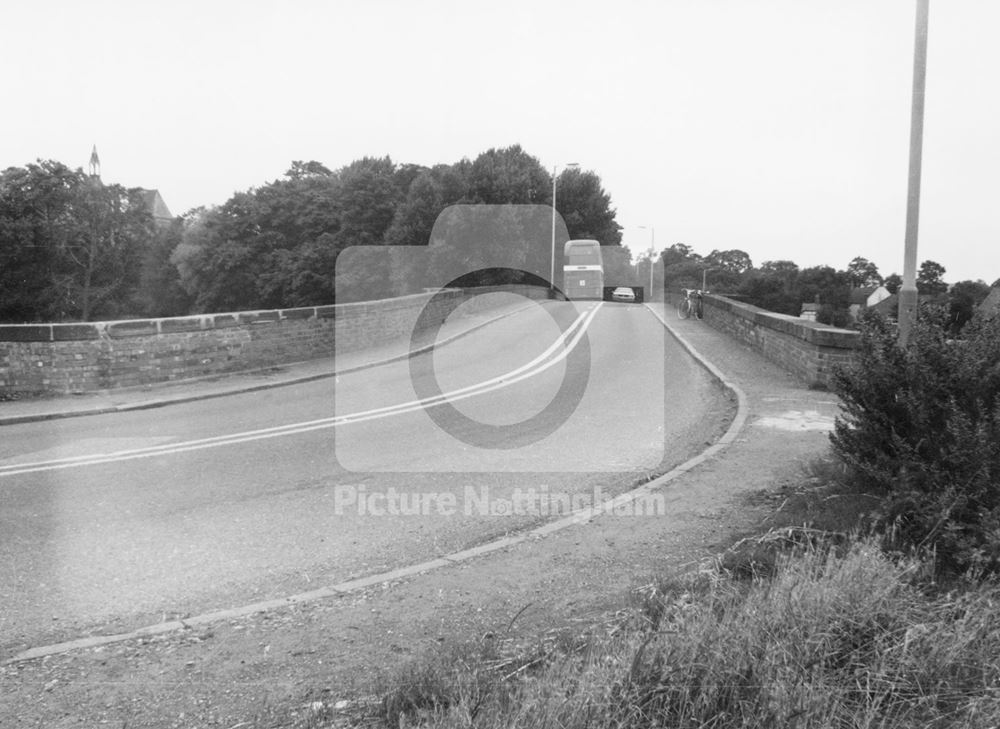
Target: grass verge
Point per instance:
(808, 622)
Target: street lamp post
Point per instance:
(652, 251)
(908, 298)
(552, 267)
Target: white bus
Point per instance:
(583, 270)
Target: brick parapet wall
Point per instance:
(807, 349)
(84, 357)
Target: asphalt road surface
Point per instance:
(112, 522)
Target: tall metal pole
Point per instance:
(552, 268)
(908, 298)
(652, 251)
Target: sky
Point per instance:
(778, 127)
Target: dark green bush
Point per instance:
(922, 426)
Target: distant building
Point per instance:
(991, 304)
(809, 311)
(888, 307)
(95, 164)
(156, 206)
(866, 298)
(152, 198)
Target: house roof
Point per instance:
(860, 295)
(155, 205)
(890, 306)
(992, 300)
(887, 307)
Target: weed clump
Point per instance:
(839, 635)
(921, 425)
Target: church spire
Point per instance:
(95, 163)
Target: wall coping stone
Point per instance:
(124, 328)
(74, 332)
(223, 321)
(821, 335)
(132, 328)
(25, 333)
(185, 324)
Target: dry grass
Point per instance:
(826, 631)
(830, 640)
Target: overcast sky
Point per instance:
(780, 127)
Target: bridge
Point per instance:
(253, 486)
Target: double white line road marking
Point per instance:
(556, 352)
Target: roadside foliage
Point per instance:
(921, 426)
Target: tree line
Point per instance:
(72, 248)
(783, 287)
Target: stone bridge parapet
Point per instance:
(91, 356)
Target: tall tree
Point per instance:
(414, 218)
(963, 298)
(70, 246)
(685, 274)
(618, 269)
(930, 278)
(367, 199)
(303, 170)
(35, 201)
(302, 206)
(101, 258)
(773, 286)
(412, 225)
(226, 261)
(733, 261)
(724, 270)
(862, 273)
(509, 176)
(160, 292)
(769, 291)
(586, 207)
(830, 288)
(677, 253)
(783, 268)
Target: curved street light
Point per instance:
(552, 268)
(652, 251)
(704, 272)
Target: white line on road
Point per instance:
(538, 365)
(506, 542)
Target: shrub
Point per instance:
(922, 424)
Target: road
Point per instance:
(111, 522)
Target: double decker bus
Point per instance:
(583, 270)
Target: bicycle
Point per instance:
(690, 305)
